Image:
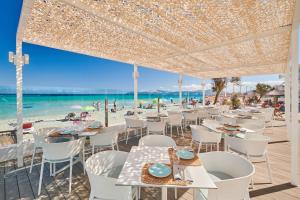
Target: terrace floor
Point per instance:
(20, 184)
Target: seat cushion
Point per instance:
(218, 176)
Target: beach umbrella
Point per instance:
(88, 108)
(154, 101)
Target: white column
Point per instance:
(19, 85)
(294, 129)
(180, 89)
(203, 93)
(287, 99)
(135, 82)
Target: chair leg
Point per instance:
(175, 190)
(139, 193)
(199, 147)
(54, 169)
(127, 136)
(217, 146)
(269, 168)
(70, 178)
(83, 161)
(177, 130)
(117, 146)
(182, 131)
(93, 150)
(171, 127)
(41, 177)
(50, 168)
(33, 155)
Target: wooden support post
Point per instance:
(106, 112)
(158, 105)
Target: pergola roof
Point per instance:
(199, 38)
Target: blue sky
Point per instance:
(55, 68)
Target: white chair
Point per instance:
(190, 118)
(214, 112)
(252, 146)
(202, 114)
(156, 127)
(39, 140)
(175, 120)
(268, 115)
(157, 141)
(61, 152)
(203, 135)
(134, 124)
(254, 124)
(226, 120)
(106, 139)
(103, 170)
(230, 173)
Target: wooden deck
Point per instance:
(20, 184)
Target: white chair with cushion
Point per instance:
(175, 120)
(103, 170)
(157, 141)
(231, 174)
(39, 140)
(203, 135)
(252, 146)
(58, 153)
(156, 127)
(134, 124)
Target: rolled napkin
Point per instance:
(181, 173)
(177, 173)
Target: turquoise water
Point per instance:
(45, 104)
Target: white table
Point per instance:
(139, 156)
(213, 125)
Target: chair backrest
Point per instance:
(39, 135)
(157, 140)
(191, 116)
(256, 125)
(175, 118)
(63, 150)
(235, 166)
(227, 120)
(103, 169)
(214, 111)
(203, 134)
(108, 136)
(268, 113)
(252, 145)
(157, 127)
(132, 122)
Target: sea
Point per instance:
(61, 104)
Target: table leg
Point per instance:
(164, 193)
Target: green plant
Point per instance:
(235, 101)
(218, 85)
(262, 89)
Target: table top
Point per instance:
(140, 155)
(213, 125)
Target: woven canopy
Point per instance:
(202, 38)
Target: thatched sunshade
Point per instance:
(198, 38)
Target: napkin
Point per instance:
(181, 173)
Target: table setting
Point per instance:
(164, 167)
